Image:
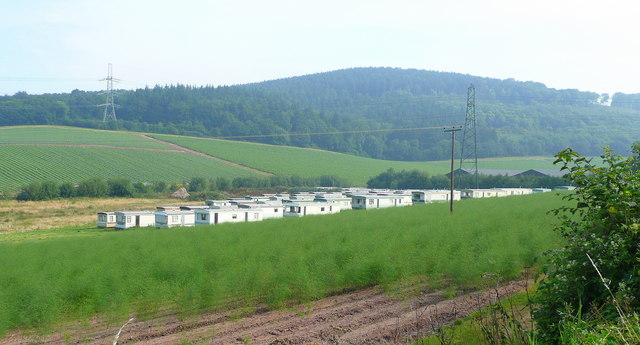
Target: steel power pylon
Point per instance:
(109, 106)
(469, 155)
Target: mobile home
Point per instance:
(429, 196)
(340, 200)
(297, 209)
(129, 219)
(168, 219)
(106, 219)
(369, 201)
(227, 214)
(217, 202)
(482, 193)
(271, 209)
(516, 191)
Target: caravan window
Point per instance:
(370, 201)
(256, 215)
(234, 216)
(203, 216)
(111, 218)
(174, 219)
(128, 219)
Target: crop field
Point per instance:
(75, 136)
(286, 160)
(20, 165)
(274, 262)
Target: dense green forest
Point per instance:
(513, 118)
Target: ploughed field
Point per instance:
(67, 154)
(275, 263)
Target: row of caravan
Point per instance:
(257, 208)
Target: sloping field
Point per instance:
(20, 165)
(75, 136)
(286, 160)
(273, 263)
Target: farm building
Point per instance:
(297, 209)
(429, 196)
(168, 219)
(517, 191)
(542, 172)
(129, 219)
(227, 214)
(482, 193)
(369, 201)
(106, 219)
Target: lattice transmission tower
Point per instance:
(109, 106)
(469, 154)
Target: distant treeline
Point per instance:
(514, 118)
(416, 179)
(120, 187)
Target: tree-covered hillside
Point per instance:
(514, 118)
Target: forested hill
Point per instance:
(513, 118)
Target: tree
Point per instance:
(603, 224)
(67, 190)
(50, 190)
(94, 187)
(223, 183)
(120, 187)
(197, 184)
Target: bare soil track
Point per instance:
(363, 317)
(186, 150)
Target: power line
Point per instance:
(330, 133)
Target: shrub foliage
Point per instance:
(602, 222)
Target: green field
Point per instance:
(75, 136)
(20, 165)
(50, 280)
(286, 160)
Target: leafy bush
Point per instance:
(93, 187)
(602, 223)
(67, 190)
(120, 187)
(197, 184)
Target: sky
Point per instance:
(49, 46)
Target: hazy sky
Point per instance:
(58, 46)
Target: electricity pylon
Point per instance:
(469, 154)
(109, 106)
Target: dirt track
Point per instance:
(362, 317)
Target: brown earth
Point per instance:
(364, 317)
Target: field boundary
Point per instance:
(190, 151)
